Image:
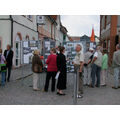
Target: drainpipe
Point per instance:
(11, 30)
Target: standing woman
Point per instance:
(104, 68)
(61, 64)
(2, 67)
(51, 70)
(36, 68)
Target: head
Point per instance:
(78, 48)
(98, 48)
(105, 51)
(118, 47)
(53, 51)
(62, 49)
(91, 50)
(0, 51)
(8, 47)
(36, 52)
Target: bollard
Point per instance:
(75, 90)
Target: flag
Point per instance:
(92, 38)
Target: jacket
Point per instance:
(9, 57)
(52, 63)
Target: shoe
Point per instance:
(118, 86)
(114, 87)
(97, 86)
(104, 85)
(57, 93)
(62, 94)
(91, 86)
(79, 96)
(36, 89)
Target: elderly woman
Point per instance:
(51, 70)
(62, 69)
(36, 68)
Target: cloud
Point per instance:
(78, 25)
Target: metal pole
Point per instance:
(75, 90)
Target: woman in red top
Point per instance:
(51, 70)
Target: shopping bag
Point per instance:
(57, 75)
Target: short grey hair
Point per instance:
(118, 46)
(79, 46)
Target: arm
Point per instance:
(58, 63)
(81, 62)
(81, 66)
(48, 60)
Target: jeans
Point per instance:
(95, 73)
(3, 78)
(87, 75)
(116, 77)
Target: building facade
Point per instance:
(109, 33)
(15, 29)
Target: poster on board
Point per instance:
(28, 48)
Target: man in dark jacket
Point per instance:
(9, 57)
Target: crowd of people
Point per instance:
(6, 59)
(91, 68)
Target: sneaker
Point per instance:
(36, 89)
(114, 87)
(79, 96)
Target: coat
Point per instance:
(36, 60)
(52, 63)
(61, 64)
(9, 58)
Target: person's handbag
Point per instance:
(57, 75)
(37, 68)
(3, 68)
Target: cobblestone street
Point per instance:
(19, 92)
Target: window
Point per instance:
(27, 37)
(18, 51)
(0, 42)
(30, 17)
(105, 21)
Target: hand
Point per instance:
(80, 71)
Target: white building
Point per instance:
(13, 30)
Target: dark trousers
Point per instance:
(95, 73)
(8, 73)
(48, 77)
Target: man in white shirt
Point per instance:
(87, 67)
(78, 64)
(96, 67)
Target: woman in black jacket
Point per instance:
(61, 64)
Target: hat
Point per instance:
(91, 49)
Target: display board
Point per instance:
(48, 44)
(28, 48)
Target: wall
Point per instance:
(5, 32)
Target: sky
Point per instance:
(78, 25)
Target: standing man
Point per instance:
(9, 58)
(78, 65)
(116, 65)
(87, 67)
(96, 67)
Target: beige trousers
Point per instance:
(103, 77)
(35, 80)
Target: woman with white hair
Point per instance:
(36, 68)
